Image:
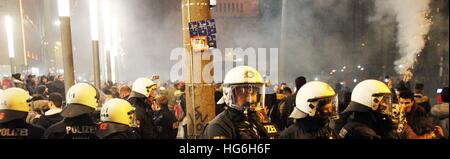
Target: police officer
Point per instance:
(82, 99)
(142, 89)
(316, 105)
(243, 94)
(117, 119)
(14, 107)
(367, 115)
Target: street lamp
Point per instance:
(64, 8)
(106, 19)
(10, 38)
(93, 10)
(66, 42)
(114, 48)
(57, 23)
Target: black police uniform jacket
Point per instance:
(79, 127)
(360, 122)
(232, 124)
(307, 128)
(144, 116)
(19, 129)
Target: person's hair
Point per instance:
(287, 90)
(407, 95)
(299, 82)
(16, 76)
(125, 88)
(56, 98)
(419, 86)
(51, 78)
(40, 90)
(444, 95)
(402, 87)
(31, 76)
(42, 78)
(163, 101)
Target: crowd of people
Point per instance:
(247, 107)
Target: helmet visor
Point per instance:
(132, 115)
(328, 107)
(151, 89)
(247, 96)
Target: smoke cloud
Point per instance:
(413, 25)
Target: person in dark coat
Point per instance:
(164, 119)
(43, 80)
(418, 125)
(31, 83)
(53, 115)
